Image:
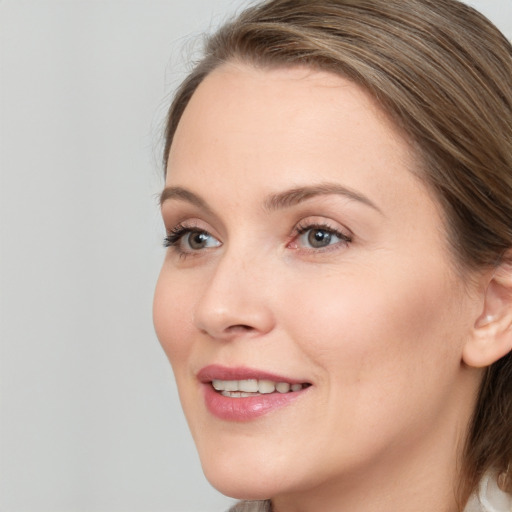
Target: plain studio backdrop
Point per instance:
(89, 415)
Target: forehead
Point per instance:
(276, 98)
(268, 129)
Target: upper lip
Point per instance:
(218, 372)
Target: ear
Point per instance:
(491, 336)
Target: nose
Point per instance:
(236, 300)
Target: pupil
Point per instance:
(319, 238)
(198, 240)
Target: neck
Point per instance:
(430, 489)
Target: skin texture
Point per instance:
(377, 325)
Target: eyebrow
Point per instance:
(184, 194)
(273, 202)
(297, 195)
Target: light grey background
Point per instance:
(89, 415)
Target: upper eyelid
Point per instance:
(337, 232)
(189, 224)
(185, 224)
(325, 223)
(176, 212)
(310, 222)
(177, 209)
(179, 203)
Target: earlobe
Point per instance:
(491, 337)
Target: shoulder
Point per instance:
(251, 506)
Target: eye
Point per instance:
(319, 237)
(197, 240)
(188, 240)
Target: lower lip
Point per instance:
(246, 408)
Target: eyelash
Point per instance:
(301, 229)
(175, 235)
(178, 232)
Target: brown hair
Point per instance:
(443, 73)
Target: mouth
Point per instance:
(253, 387)
(242, 394)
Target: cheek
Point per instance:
(385, 356)
(172, 318)
(364, 329)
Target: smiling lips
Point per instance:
(251, 387)
(242, 394)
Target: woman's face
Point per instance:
(305, 255)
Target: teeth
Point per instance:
(266, 386)
(284, 387)
(217, 385)
(230, 385)
(248, 387)
(236, 394)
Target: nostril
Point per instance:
(239, 328)
(231, 332)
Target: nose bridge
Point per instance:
(235, 300)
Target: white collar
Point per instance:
(489, 497)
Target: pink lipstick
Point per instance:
(243, 394)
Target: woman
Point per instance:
(336, 299)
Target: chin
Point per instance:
(242, 488)
(243, 484)
(243, 476)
